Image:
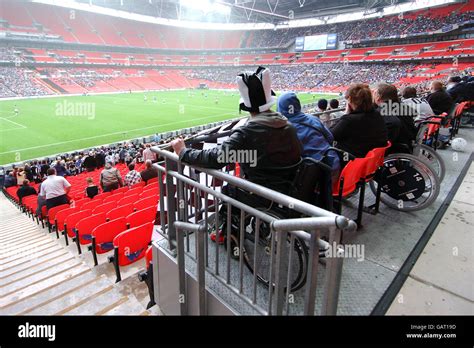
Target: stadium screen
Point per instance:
(316, 42)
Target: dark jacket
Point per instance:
(359, 132)
(269, 138)
(148, 174)
(92, 191)
(90, 162)
(400, 123)
(24, 191)
(461, 92)
(440, 102)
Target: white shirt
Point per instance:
(421, 106)
(54, 186)
(149, 155)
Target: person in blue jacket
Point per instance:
(313, 135)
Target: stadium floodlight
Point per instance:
(206, 6)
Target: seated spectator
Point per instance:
(314, 136)
(41, 200)
(90, 162)
(10, 180)
(20, 176)
(267, 134)
(459, 90)
(60, 168)
(25, 190)
(110, 158)
(322, 106)
(333, 116)
(420, 105)
(398, 117)
(110, 178)
(29, 173)
(148, 154)
(44, 168)
(133, 177)
(92, 189)
(439, 100)
(362, 128)
(55, 189)
(149, 172)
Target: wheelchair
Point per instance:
(407, 181)
(258, 242)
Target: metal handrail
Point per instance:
(308, 229)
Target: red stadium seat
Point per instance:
(104, 208)
(146, 202)
(121, 211)
(138, 184)
(52, 214)
(152, 180)
(92, 204)
(149, 256)
(120, 190)
(141, 216)
(155, 185)
(84, 229)
(60, 219)
(103, 236)
(71, 221)
(127, 200)
(114, 197)
(149, 193)
(102, 195)
(147, 276)
(79, 203)
(353, 176)
(131, 246)
(134, 191)
(377, 156)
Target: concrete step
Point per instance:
(42, 298)
(39, 277)
(31, 264)
(26, 261)
(100, 303)
(45, 284)
(13, 259)
(5, 247)
(74, 298)
(27, 248)
(130, 307)
(34, 270)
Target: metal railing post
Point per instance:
(333, 275)
(170, 202)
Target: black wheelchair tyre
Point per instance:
(299, 254)
(408, 182)
(432, 157)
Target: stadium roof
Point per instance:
(246, 14)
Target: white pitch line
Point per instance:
(121, 132)
(16, 124)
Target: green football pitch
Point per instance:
(47, 126)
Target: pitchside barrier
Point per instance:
(195, 276)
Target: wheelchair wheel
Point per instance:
(432, 157)
(264, 249)
(408, 182)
